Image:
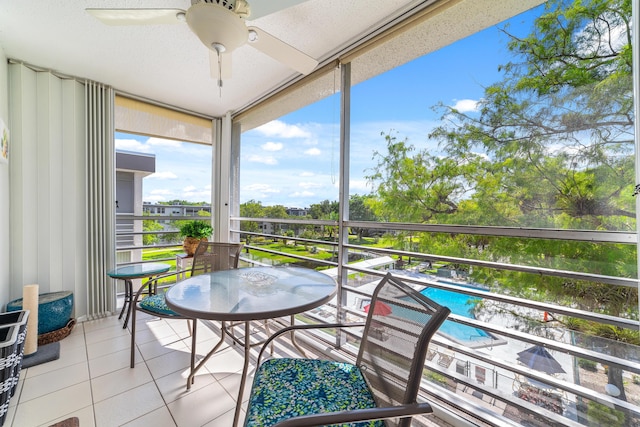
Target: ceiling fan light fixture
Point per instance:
(214, 24)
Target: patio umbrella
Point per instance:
(538, 358)
(379, 309)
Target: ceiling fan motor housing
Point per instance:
(240, 7)
(215, 24)
(229, 4)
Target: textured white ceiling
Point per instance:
(168, 63)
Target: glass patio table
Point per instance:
(247, 294)
(135, 271)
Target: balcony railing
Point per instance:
(474, 369)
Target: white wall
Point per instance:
(4, 190)
(48, 184)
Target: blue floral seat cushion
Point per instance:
(157, 304)
(285, 388)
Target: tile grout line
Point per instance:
(86, 351)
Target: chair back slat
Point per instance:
(215, 256)
(399, 326)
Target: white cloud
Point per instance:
(131, 145)
(466, 105)
(189, 188)
(193, 194)
(310, 185)
(299, 194)
(159, 142)
(313, 152)
(265, 188)
(162, 175)
(282, 130)
(356, 185)
(305, 174)
(158, 196)
(267, 160)
(154, 199)
(272, 146)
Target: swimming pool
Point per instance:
(461, 305)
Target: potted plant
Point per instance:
(194, 232)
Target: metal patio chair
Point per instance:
(382, 384)
(209, 256)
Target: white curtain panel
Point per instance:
(61, 187)
(100, 198)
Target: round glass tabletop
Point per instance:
(138, 270)
(251, 293)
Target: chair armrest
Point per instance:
(331, 418)
(152, 283)
(304, 327)
(154, 279)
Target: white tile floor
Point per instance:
(92, 380)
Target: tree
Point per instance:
(150, 225)
(277, 211)
(558, 130)
(325, 210)
(551, 145)
(360, 210)
(250, 209)
(561, 116)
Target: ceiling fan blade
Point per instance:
(225, 65)
(137, 16)
(265, 7)
(281, 51)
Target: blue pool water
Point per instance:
(461, 305)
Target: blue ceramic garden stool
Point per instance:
(54, 310)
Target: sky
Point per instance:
(294, 161)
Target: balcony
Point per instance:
(557, 201)
(476, 373)
(92, 379)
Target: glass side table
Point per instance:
(135, 271)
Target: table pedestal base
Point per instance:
(128, 296)
(245, 368)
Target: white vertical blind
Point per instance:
(47, 184)
(73, 223)
(100, 197)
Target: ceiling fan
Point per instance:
(220, 25)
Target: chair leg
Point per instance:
(293, 339)
(133, 336)
(193, 347)
(268, 331)
(128, 298)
